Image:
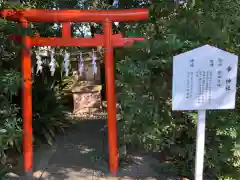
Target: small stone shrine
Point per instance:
(86, 89)
(86, 97)
(85, 84)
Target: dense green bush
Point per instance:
(48, 114)
(48, 110)
(145, 82)
(10, 124)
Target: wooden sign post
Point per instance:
(204, 79)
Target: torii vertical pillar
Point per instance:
(27, 101)
(110, 95)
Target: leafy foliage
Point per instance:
(48, 111)
(145, 87)
(10, 129)
(144, 83)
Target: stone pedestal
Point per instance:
(86, 97)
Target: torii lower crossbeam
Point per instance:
(108, 40)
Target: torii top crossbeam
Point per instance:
(33, 15)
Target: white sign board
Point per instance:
(204, 78)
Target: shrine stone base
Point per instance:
(86, 102)
(86, 98)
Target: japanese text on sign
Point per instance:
(204, 78)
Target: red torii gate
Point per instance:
(108, 40)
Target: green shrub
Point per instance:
(10, 124)
(48, 113)
(145, 82)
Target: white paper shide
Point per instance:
(204, 78)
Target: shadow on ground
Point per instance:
(80, 153)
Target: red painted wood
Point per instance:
(27, 102)
(36, 15)
(111, 99)
(66, 30)
(98, 40)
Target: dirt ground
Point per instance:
(80, 153)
